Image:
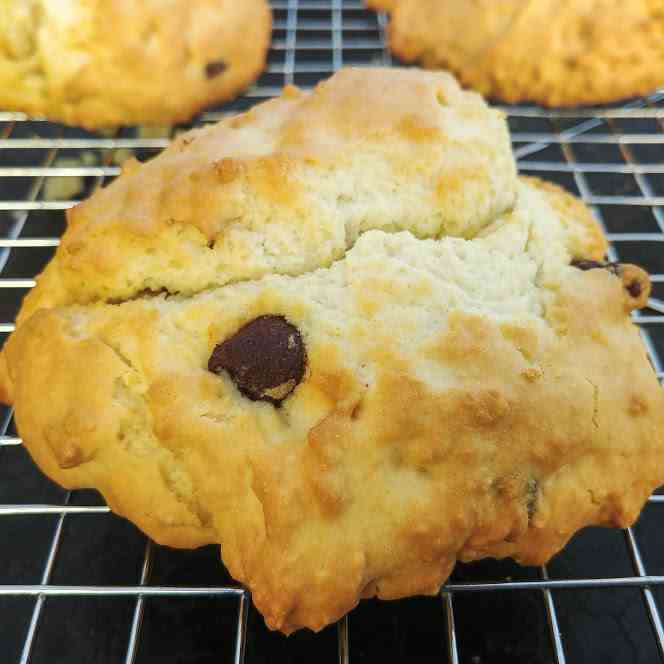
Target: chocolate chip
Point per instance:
(265, 359)
(634, 289)
(583, 264)
(214, 69)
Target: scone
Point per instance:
(553, 52)
(338, 335)
(98, 64)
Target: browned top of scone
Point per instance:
(287, 187)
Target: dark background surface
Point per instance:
(600, 626)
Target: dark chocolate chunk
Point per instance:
(265, 359)
(583, 264)
(214, 69)
(634, 288)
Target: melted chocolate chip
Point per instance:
(634, 289)
(265, 359)
(583, 264)
(214, 69)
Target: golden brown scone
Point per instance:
(553, 52)
(403, 356)
(100, 64)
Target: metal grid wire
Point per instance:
(612, 157)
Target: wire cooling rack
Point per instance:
(78, 584)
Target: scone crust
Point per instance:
(592, 51)
(468, 391)
(101, 64)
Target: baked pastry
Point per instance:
(339, 336)
(101, 64)
(553, 52)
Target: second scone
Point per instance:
(552, 52)
(101, 64)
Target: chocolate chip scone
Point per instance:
(100, 64)
(338, 335)
(553, 52)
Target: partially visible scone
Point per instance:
(553, 52)
(100, 64)
(338, 336)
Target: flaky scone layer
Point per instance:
(471, 389)
(101, 63)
